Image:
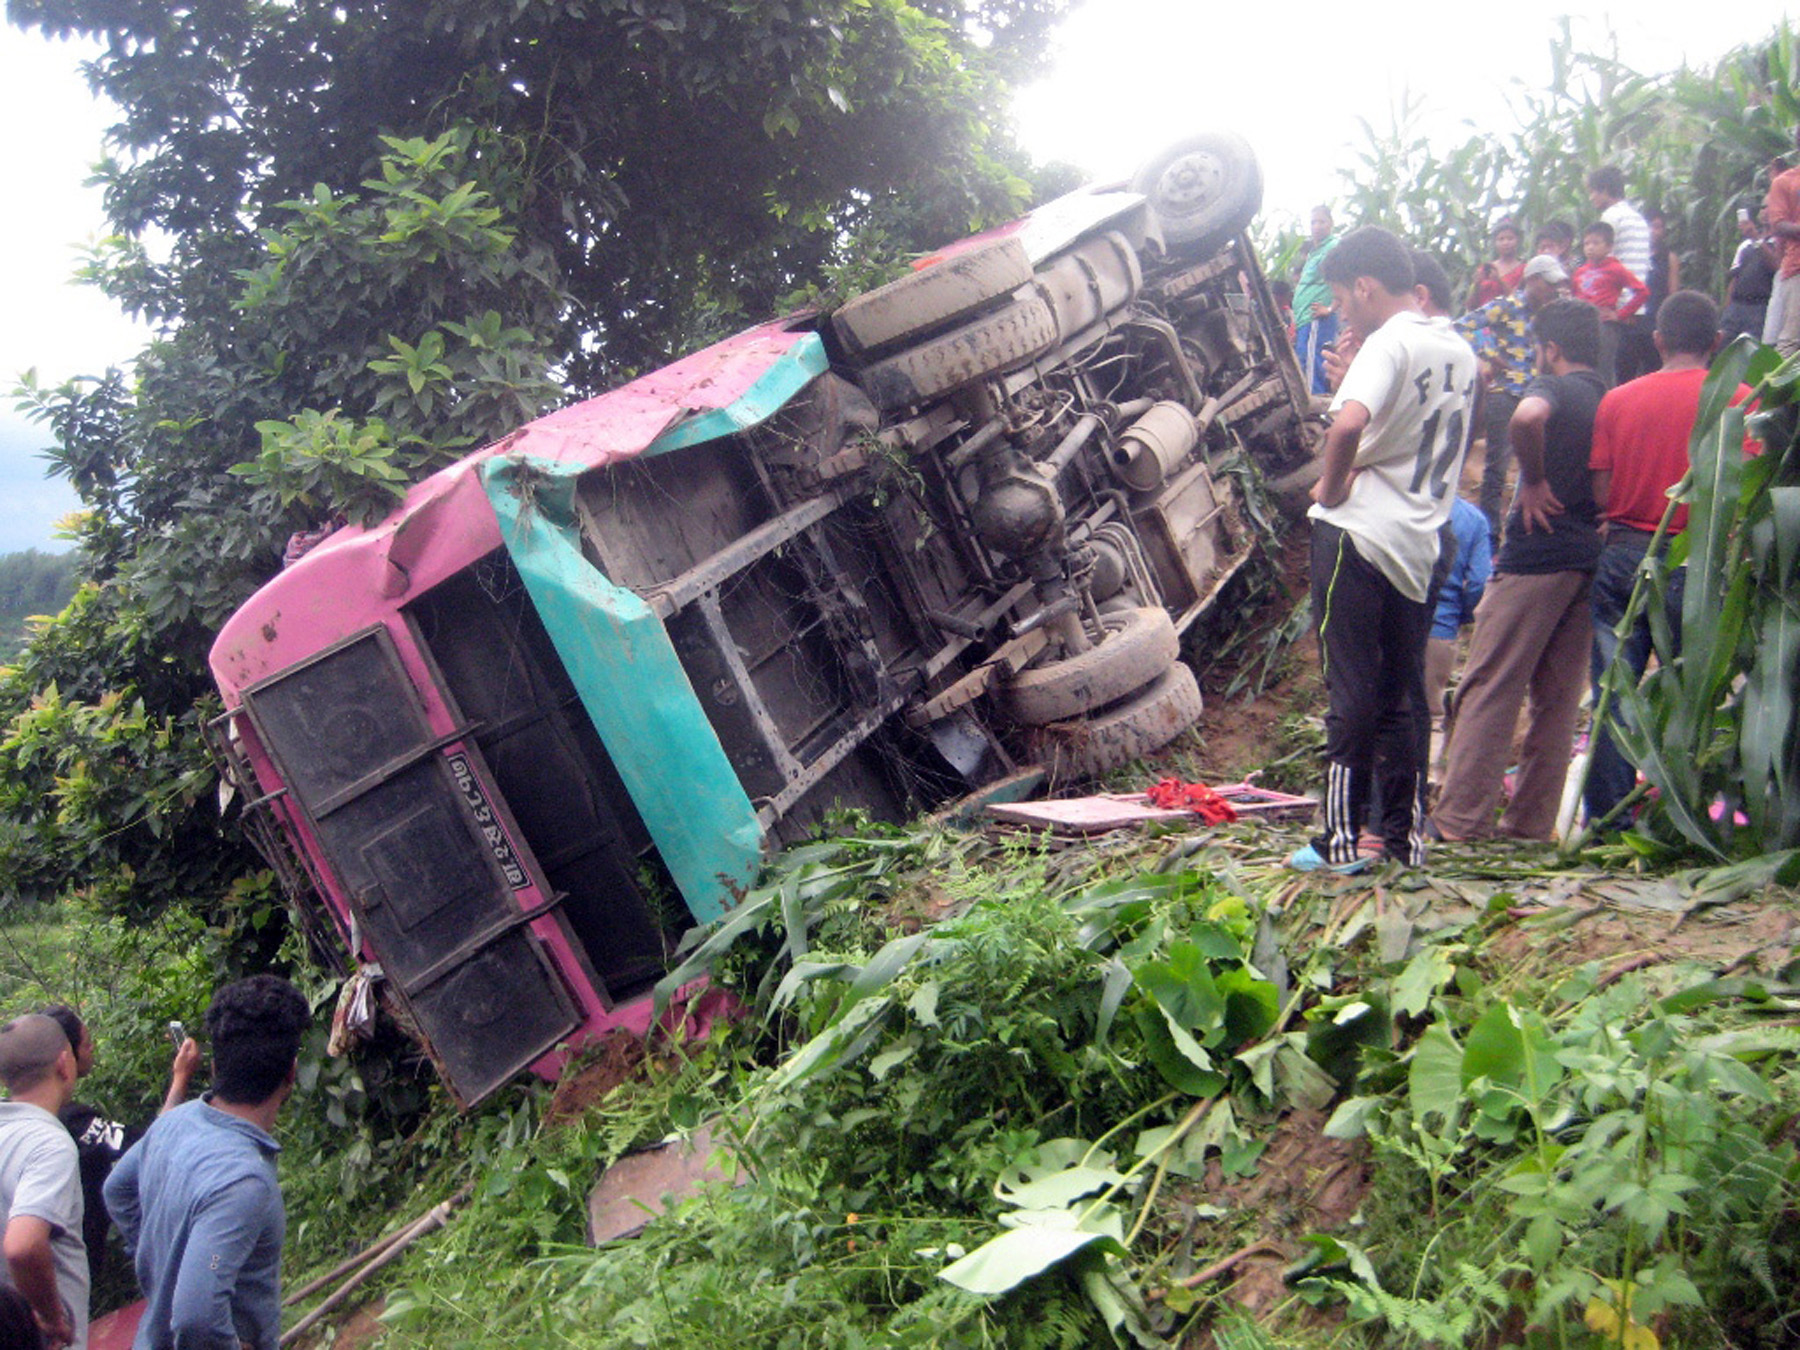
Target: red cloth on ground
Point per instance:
(1171, 794)
(1641, 436)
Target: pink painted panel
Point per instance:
(363, 576)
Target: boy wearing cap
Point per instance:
(1510, 363)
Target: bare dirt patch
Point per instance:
(1242, 724)
(1745, 938)
(1304, 1183)
(362, 1327)
(616, 1058)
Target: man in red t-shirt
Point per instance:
(1640, 451)
(1782, 327)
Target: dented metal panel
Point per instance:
(429, 868)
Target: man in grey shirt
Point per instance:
(197, 1199)
(40, 1181)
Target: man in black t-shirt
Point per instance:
(100, 1142)
(1534, 621)
(1752, 281)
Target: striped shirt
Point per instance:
(1631, 237)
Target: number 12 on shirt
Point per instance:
(1435, 458)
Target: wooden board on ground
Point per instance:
(632, 1191)
(1121, 810)
(1087, 815)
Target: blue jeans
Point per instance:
(1310, 341)
(1610, 775)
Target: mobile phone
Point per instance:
(177, 1034)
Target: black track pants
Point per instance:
(1372, 646)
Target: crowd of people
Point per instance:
(194, 1194)
(1582, 375)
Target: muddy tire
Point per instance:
(931, 299)
(1292, 490)
(1140, 644)
(1145, 722)
(1204, 189)
(987, 346)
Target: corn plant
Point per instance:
(1695, 144)
(1713, 727)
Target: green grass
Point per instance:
(876, 1153)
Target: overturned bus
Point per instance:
(517, 738)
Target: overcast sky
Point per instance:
(1130, 76)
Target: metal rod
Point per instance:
(1085, 426)
(983, 437)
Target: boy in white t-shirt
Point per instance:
(1392, 458)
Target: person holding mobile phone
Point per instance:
(99, 1140)
(197, 1198)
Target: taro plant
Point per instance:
(1617, 1172)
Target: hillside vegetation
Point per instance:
(31, 584)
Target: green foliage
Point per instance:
(961, 1135)
(104, 778)
(31, 584)
(319, 460)
(1716, 721)
(684, 163)
(128, 980)
(905, 1121)
(104, 798)
(1601, 1171)
(1694, 143)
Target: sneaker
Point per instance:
(1306, 859)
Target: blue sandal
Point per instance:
(1306, 858)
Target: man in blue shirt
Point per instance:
(1471, 565)
(197, 1199)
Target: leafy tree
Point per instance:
(685, 162)
(386, 234)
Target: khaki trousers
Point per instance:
(1530, 647)
(1440, 662)
(1782, 327)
